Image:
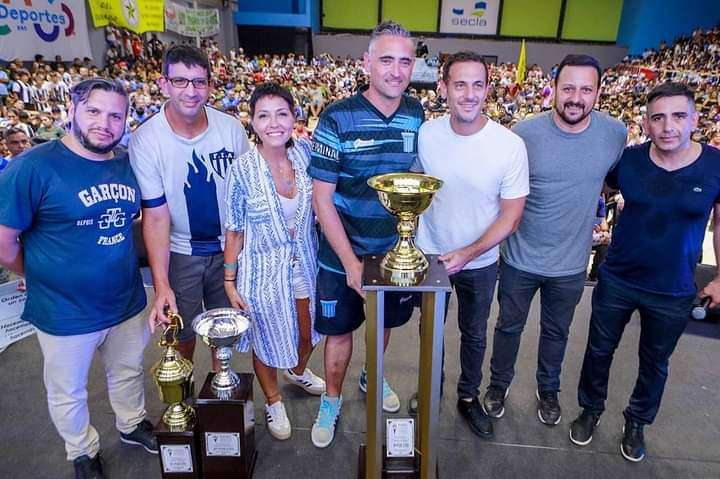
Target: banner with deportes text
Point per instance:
(192, 22)
(137, 15)
(470, 17)
(43, 27)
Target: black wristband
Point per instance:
(230, 280)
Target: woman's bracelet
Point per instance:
(231, 266)
(230, 280)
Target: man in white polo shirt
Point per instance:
(485, 170)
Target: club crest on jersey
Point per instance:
(220, 161)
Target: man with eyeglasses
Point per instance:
(180, 157)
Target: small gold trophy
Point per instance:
(174, 377)
(405, 195)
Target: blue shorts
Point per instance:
(340, 310)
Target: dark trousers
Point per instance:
(558, 296)
(475, 289)
(662, 321)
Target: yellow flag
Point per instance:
(521, 64)
(136, 15)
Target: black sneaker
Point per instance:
(142, 436)
(549, 410)
(581, 429)
(632, 446)
(476, 418)
(494, 401)
(87, 468)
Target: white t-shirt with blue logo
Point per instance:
(189, 175)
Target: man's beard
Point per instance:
(89, 145)
(569, 120)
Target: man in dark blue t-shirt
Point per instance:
(371, 133)
(66, 210)
(670, 186)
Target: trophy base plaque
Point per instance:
(226, 431)
(178, 453)
(395, 467)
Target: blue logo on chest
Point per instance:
(220, 161)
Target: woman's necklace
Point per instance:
(285, 180)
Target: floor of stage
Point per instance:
(684, 442)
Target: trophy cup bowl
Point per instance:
(173, 376)
(222, 328)
(405, 195)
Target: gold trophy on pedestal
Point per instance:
(403, 269)
(405, 195)
(175, 433)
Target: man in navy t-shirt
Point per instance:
(66, 211)
(670, 186)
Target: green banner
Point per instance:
(192, 22)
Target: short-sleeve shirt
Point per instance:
(189, 175)
(567, 171)
(353, 142)
(478, 171)
(75, 216)
(658, 238)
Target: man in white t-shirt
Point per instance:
(485, 170)
(181, 156)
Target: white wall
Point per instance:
(544, 54)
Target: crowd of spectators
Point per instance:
(34, 98)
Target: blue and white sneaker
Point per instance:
(323, 431)
(391, 401)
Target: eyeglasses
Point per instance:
(180, 82)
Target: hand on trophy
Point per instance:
(164, 300)
(455, 261)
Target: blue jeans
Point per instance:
(662, 321)
(558, 296)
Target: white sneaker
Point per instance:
(308, 380)
(277, 421)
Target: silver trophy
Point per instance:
(222, 328)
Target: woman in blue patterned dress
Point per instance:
(270, 251)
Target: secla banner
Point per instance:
(44, 27)
(470, 17)
(192, 22)
(137, 15)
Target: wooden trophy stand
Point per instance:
(226, 431)
(178, 453)
(373, 463)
